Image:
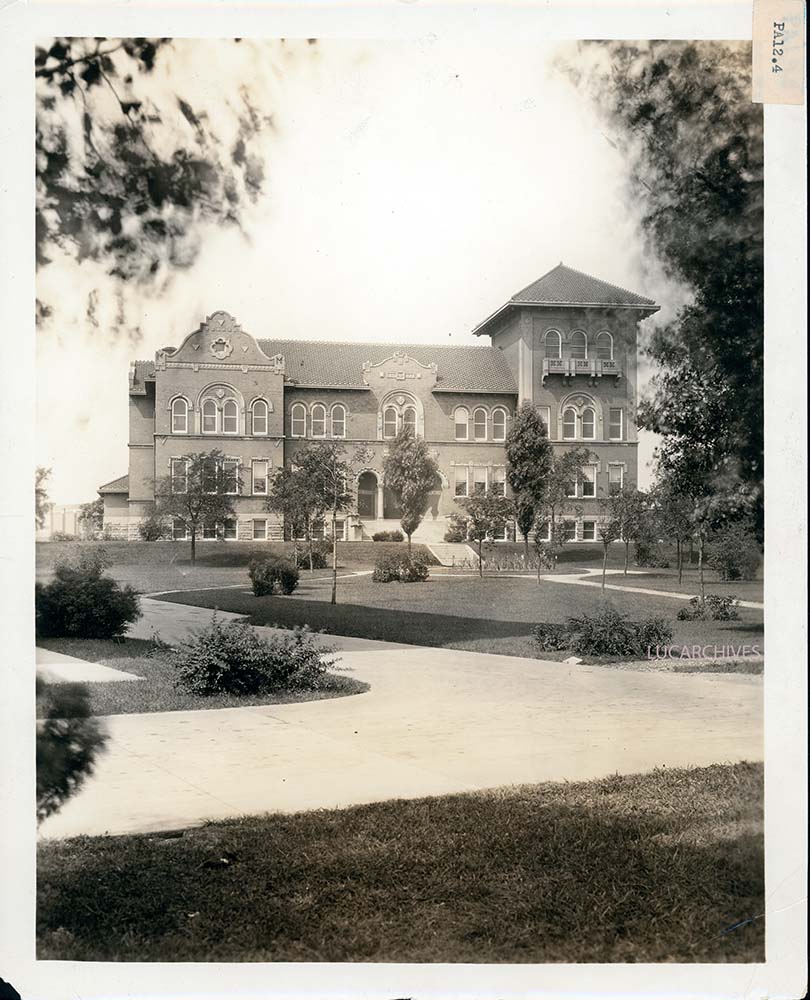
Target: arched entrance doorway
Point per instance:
(367, 495)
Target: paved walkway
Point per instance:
(57, 668)
(435, 721)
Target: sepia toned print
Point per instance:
(400, 537)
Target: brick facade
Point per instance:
(258, 401)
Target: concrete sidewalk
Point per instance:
(57, 668)
(435, 721)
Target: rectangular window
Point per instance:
(229, 531)
(589, 481)
(230, 475)
(318, 531)
(571, 488)
(499, 534)
(615, 479)
(460, 485)
(479, 479)
(589, 531)
(545, 416)
(260, 531)
(210, 475)
(179, 530)
(569, 531)
(179, 475)
(259, 468)
(616, 424)
(544, 531)
(209, 532)
(498, 481)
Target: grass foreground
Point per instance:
(659, 867)
(157, 691)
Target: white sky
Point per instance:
(412, 187)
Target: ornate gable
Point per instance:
(399, 368)
(219, 343)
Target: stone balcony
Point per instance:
(590, 367)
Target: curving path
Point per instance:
(435, 721)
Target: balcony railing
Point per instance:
(569, 367)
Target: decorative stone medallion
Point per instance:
(221, 348)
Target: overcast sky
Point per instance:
(412, 187)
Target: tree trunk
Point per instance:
(480, 557)
(626, 556)
(691, 549)
(700, 568)
(526, 549)
(333, 599)
(409, 545)
(680, 559)
(309, 542)
(604, 564)
(193, 546)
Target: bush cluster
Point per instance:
(649, 555)
(399, 567)
(716, 607)
(388, 536)
(233, 658)
(321, 553)
(457, 530)
(153, 529)
(605, 633)
(82, 603)
(269, 574)
(735, 554)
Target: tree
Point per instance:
(91, 515)
(324, 467)
(410, 473)
(291, 496)
(69, 740)
(486, 513)
(200, 497)
(41, 504)
(566, 468)
(609, 531)
(530, 459)
(672, 517)
(682, 117)
(627, 509)
(128, 182)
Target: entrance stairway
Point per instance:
(428, 532)
(453, 553)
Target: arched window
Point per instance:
(579, 345)
(553, 344)
(180, 416)
(588, 424)
(317, 424)
(409, 419)
(499, 424)
(604, 346)
(230, 417)
(298, 420)
(259, 411)
(569, 424)
(480, 424)
(390, 422)
(209, 417)
(338, 421)
(462, 420)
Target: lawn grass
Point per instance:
(490, 615)
(157, 693)
(660, 867)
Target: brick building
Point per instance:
(567, 343)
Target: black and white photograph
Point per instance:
(398, 538)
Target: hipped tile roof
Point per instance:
(120, 485)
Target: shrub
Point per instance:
(400, 567)
(735, 554)
(550, 636)
(716, 607)
(457, 530)
(83, 603)
(268, 573)
(63, 536)
(233, 659)
(646, 554)
(153, 529)
(388, 536)
(68, 741)
(321, 553)
(605, 633)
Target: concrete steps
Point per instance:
(453, 553)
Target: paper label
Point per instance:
(778, 52)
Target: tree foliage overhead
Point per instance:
(681, 114)
(530, 459)
(127, 168)
(412, 474)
